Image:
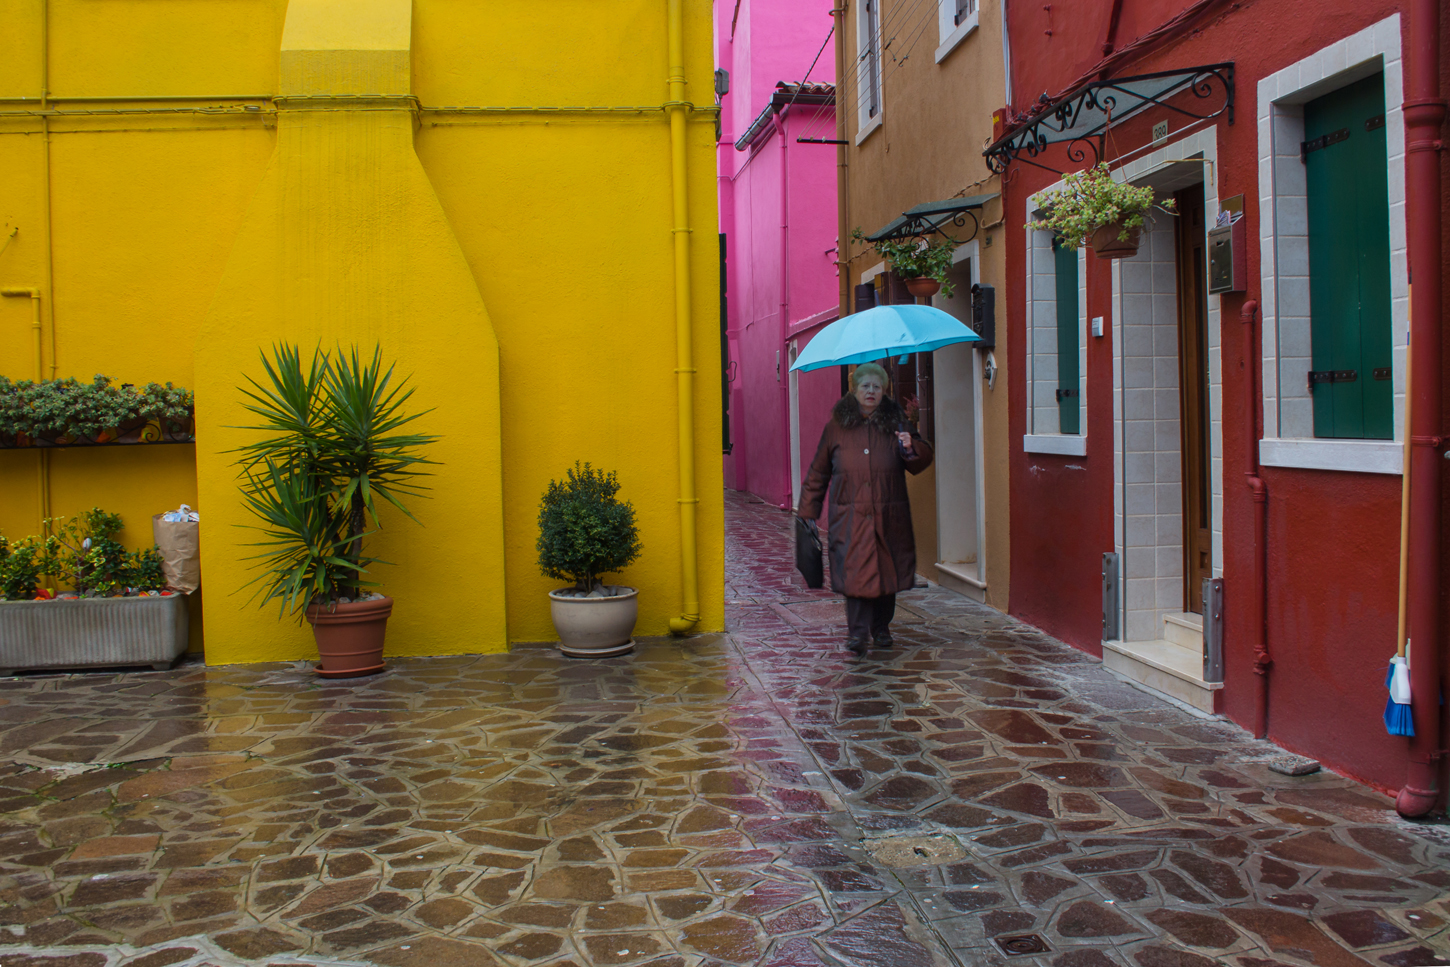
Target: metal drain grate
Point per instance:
(1022, 943)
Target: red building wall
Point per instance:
(1333, 537)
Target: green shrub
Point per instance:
(70, 407)
(81, 552)
(584, 529)
(22, 565)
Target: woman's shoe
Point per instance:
(857, 646)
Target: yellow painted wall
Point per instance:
(562, 222)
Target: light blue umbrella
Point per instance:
(881, 332)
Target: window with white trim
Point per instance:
(955, 20)
(1057, 346)
(868, 65)
(1317, 367)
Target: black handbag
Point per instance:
(808, 553)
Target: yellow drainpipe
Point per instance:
(679, 110)
(42, 482)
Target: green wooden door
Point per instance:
(1065, 260)
(1349, 262)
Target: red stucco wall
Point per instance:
(1333, 537)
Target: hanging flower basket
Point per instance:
(1108, 243)
(923, 287)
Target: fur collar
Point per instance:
(847, 414)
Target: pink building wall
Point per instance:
(778, 212)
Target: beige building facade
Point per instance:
(919, 81)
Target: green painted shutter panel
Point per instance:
(1347, 179)
(1065, 259)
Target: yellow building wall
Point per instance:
(562, 220)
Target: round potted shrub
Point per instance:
(585, 532)
(1091, 208)
(333, 455)
(921, 264)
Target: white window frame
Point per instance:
(949, 32)
(868, 25)
(1047, 438)
(1289, 439)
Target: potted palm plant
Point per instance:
(585, 532)
(1093, 208)
(334, 452)
(921, 263)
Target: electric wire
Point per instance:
(910, 18)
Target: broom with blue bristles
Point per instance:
(1398, 717)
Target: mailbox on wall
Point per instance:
(1227, 259)
(984, 316)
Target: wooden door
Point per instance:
(1193, 396)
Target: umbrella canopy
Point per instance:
(881, 332)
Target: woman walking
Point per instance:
(864, 451)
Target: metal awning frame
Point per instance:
(1096, 106)
(933, 218)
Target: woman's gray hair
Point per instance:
(870, 369)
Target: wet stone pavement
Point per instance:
(981, 795)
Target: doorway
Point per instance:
(960, 472)
(1193, 377)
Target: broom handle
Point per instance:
(1405, 513)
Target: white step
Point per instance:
(1163, 666)
(1184, 629)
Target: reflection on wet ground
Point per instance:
(754, 798)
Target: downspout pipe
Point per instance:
(843, 237)
(782, 368)
(1258, 597)
(679, 110)
(1424, 117)
(42, 480)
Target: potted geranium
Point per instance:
(585, 532)
(333, 455)
(921, 263)
(1092, 208)
(111, 609)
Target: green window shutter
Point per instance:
(1065, 259)
(1349, 262)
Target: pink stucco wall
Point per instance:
(781, 274)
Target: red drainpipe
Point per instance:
(788, 485)
(1258, 597)
(1424, 115)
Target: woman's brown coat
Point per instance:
(871, 546)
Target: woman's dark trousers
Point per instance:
(870, 618)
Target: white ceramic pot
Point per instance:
(595, 627)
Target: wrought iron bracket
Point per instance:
(1080, 120)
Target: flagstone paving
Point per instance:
(759, 797)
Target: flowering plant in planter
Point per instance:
(1092, 200)
(70, 408)
(84, 554)
(916, 257)
(117, 612)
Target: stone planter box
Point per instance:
(92, 632)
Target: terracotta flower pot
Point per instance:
(595, 627)
(350, 636)
(923, 287)
(1107, 245)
